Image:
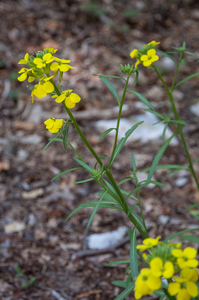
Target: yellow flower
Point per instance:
(148, 243)
(134, 53)
(43, 88)
(149, 58)
(41, 63)
(153, 43)
(25, 74)
(53, 125)
(70, 99)
(184, 287)
(186, 258)
(159, 269)
(146, 283)
(25, 60)
(61, 65)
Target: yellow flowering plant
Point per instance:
(168, 270)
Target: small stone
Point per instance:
(107, 239)
(175, 221)
(22, 155)
(31, 139)
(31, 220)
(15, 226)
(181, 181)
(33, 194)
(163, 219)
(195, 109)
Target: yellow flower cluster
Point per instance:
(146, 55)
(53, 125)
(165, 260)
(40, 65)
(44, 66)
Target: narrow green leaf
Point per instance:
(154, 182)
(167, 55)
(130, 209)
(136, 79)
(113, 191)
(65, 136)
(196, 161)
(133, 163)
(124, 139)
(108, 197)
(82, 181)
(111, 88)
(133, 255)
(163, 167)
(119, 262)
(119, 283)
(95, 210)
(138, 220)
(128, 278)
(158, 157)
(190, 238)
(91, 204)
(84, 165)
(143, 99)
(183, 62)
(185, 79)
(51, 140)
(126, 193)
(126, 292)
(62, 173)
(106, 132)
(164, 131)
(178, 122)
(172, 236)
(155, 113)
(127, 179)
(110, 76)
(57, 140)
(192, 206)
(190, 53)
(103, 156)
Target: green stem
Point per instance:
(138, 194)
(179, 127)
(121, 199)
(118, 121)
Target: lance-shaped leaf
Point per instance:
(133, 255)
(51, 140)
(166, 55)
(110, 76)
(106, 132)
(158, 157)
(65, 172)
(126, 292)
(95, 210)
(84, 165)
(111, 88)
(124, 139)
(143, 99)
(185, 79)
(65, 136)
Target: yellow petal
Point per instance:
(183, 295)
(58, 123)
(155, 58)
(154, 283)
(26, 57)
(151, 52)
(147, 63)
(54, 130)
(173, 288)
(134, 53)
(74, 98)
(177, 253)
(144, 58)
(48, 87)
(190, 252)
(168, 270)
(60, 98)
(22, 62)
(69, 103)
(54, 67)
(22, 77)
(192, 289)
(47, 56)
(31, 79)
(38, 61)
(192, 263)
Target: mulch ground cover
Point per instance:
(97, 37)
